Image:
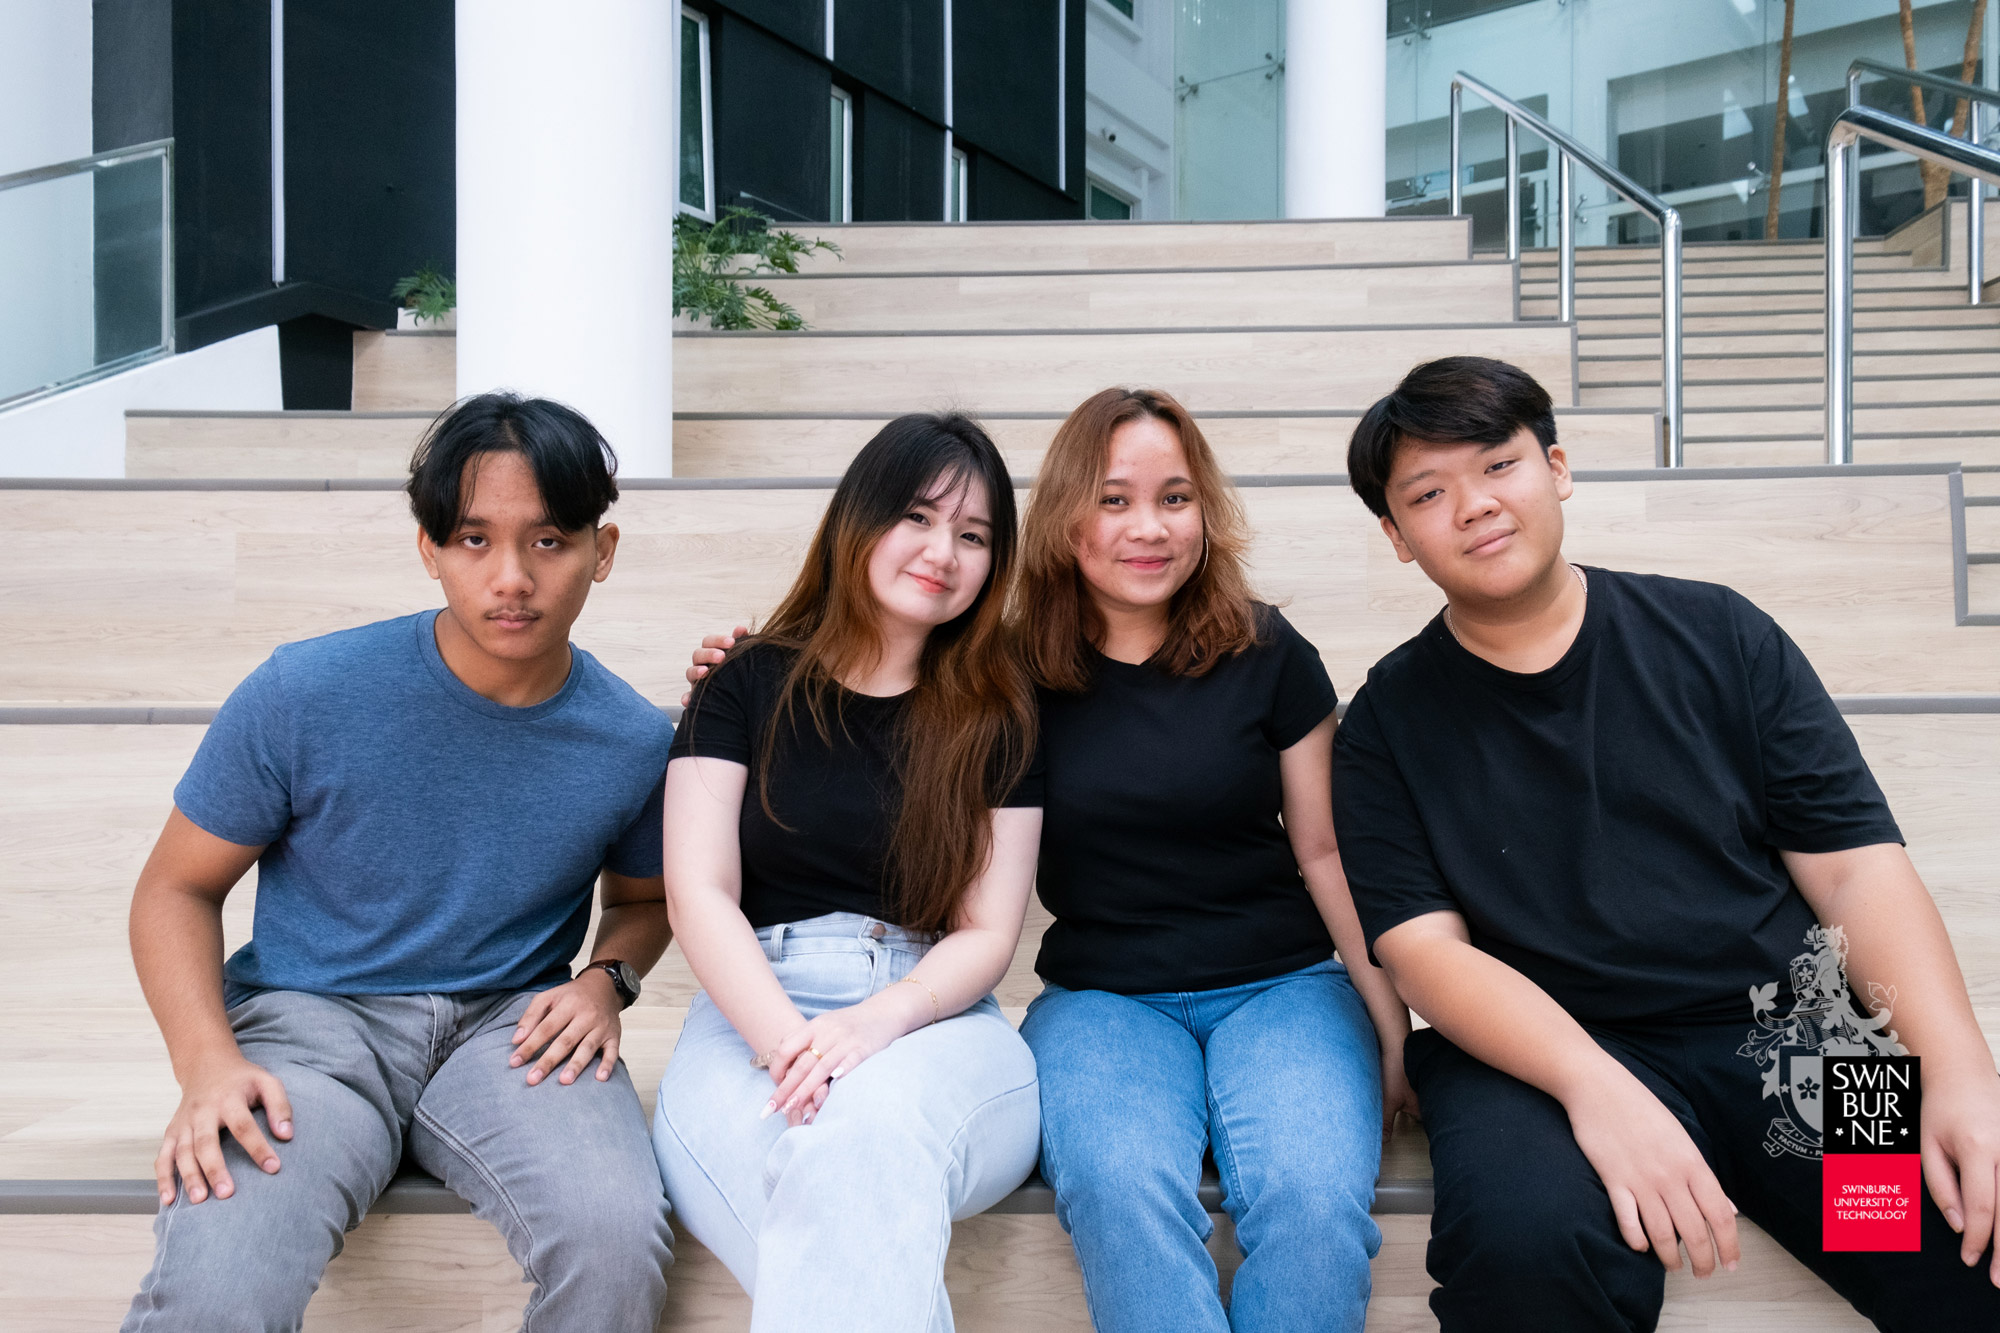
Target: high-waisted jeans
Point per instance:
(843, 1223)
(1281, 1079)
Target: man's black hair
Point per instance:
(1453, 400)
(573, 466)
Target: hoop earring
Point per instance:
(1203, 566)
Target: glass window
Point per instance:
(1228, 104)
(697, 188)
(840, 167)
(955, 188)
(1104, 206)
(1122, 6)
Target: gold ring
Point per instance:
(815, 1053)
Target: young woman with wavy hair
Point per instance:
(852, 816)
(1193, 1002)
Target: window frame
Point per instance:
(843, 100)
(957, 182)
(707, 210)
(1091, 182)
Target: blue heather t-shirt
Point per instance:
(422, 838)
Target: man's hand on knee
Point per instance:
(573, 1022)
(1661, 1188)
(218, 1096)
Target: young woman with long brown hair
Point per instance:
(852, 817)
(1193, 1002)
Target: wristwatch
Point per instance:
(624, 979)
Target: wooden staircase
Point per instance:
(140, 603)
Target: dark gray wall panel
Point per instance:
(899, 164)
(802, 22)
(771, 111)
(131, 72)
(1005, 82)
(371, 184)
(1001, 194)
(897, 47)
(222, 151)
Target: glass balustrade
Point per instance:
(86, 269)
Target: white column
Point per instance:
(566, 184)
(1336, 108)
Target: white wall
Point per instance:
(1128, 79)
(44, 82)
(46, 318)
(81, 431)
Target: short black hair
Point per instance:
(574, 468)
(1453, 400)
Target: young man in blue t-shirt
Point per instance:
(1595, 823)
(428, 801)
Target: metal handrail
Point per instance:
(1569, 151)
(1842, 148)
(163, 149)
(1976, 99)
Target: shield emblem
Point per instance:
(1804, 1072)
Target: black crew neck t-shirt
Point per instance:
(1609, 827)
(836, 799)
(1164, 861)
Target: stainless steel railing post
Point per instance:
(1841, 151)
(1513, 189)
(1975, 215)
(1673, 451)
(1566, 244)
(1457, 105)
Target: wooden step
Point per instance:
(984, 247)
(1592, 305)
(1435, 293)
(1945, 317)
(1593, 342)
(1874, 391)
(1247, 444)
(1255, 370)
(1810, 450)
(1902, 420)
(341, 444)
(129, 596)
(1944, 367)
(1250, 369)
(272, 444)
(1983, 592)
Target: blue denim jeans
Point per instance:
(563, 1172)
(1281, 1080)
(843, 1223)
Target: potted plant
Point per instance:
(428, 300)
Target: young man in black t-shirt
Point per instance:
(1611, 838)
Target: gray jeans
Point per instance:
(565, 1173)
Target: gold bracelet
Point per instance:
(933, 994)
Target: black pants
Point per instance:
(1523, 1235)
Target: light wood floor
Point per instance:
(175, 596)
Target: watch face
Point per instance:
(628, 977)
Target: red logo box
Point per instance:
(1871, 1177)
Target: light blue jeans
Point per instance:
(843, 1223)
(563, 1172)
(1281, 1080)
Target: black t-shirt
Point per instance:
(1164, 861)
(837, 801)
(1609, 827)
